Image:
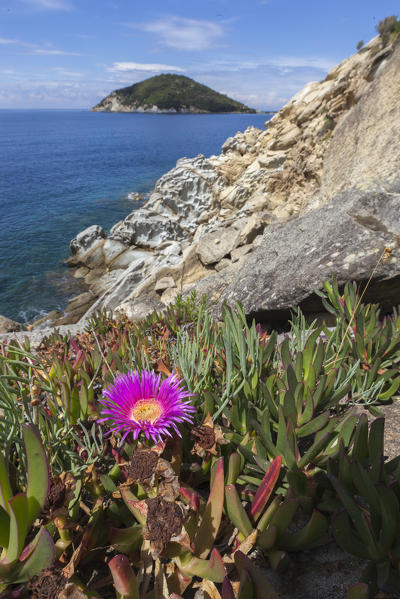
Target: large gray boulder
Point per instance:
(347, 237)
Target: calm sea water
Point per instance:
(61, 171)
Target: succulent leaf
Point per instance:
(38, 473)
(4, 528)
(126, 539)
(346, 537)
(213, 569)
(236, 511)
(227, 590)
(358, 591)
(41, 554)
(359, 519)
(234, 467)
(124, 579)
(131, 501)
(390, 517)
(265, 489)
(263, 588)
(5, 487)
(19, 523)
(307, 536)
(211, 519)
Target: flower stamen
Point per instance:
(146, 410)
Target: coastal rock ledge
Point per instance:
(279, 210)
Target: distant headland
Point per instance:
(169, 93)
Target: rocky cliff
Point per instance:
(211, 223)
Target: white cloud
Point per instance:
(50, 4)
(258, 85)
(285, 64)
(66, 73)
(49, 93)
(294, 62)
(183, 34)
(46, 50)
(38, 50)
(122, 67)
(4, 40)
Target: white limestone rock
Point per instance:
(146, 230)
(213, 247)
(111, 249)
(129, 256)
(164, 283)
(241, 251)
(85, 239)
(138, 309)
(169, 295)
(186, 191)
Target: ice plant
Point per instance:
(141, 402)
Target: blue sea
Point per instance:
(61, 171)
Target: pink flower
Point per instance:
(141, 402)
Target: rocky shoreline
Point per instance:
(217, 224)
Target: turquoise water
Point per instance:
(61, 171)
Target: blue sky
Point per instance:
(72, 53)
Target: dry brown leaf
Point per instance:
(210, 590)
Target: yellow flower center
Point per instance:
(148, 410)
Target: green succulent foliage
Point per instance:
(253, 582)
(180, 312)
(271, 515)
(194, 354)
(358, 591)
(362, 337)
(18, 563)
(368, 491)
(294, 453)
(242, 362)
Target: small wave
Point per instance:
(135, 196)
(26, 316)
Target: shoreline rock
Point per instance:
(10, 326)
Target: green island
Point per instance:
(169, 93)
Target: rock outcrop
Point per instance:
(355, 236)
(364, 151)
(211, 221)
(10, 326)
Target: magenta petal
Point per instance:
(142, 403)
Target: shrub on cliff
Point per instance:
(388, 29)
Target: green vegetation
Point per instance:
(388, 29)
(360, 44)
(281, 455)
(179, 93)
